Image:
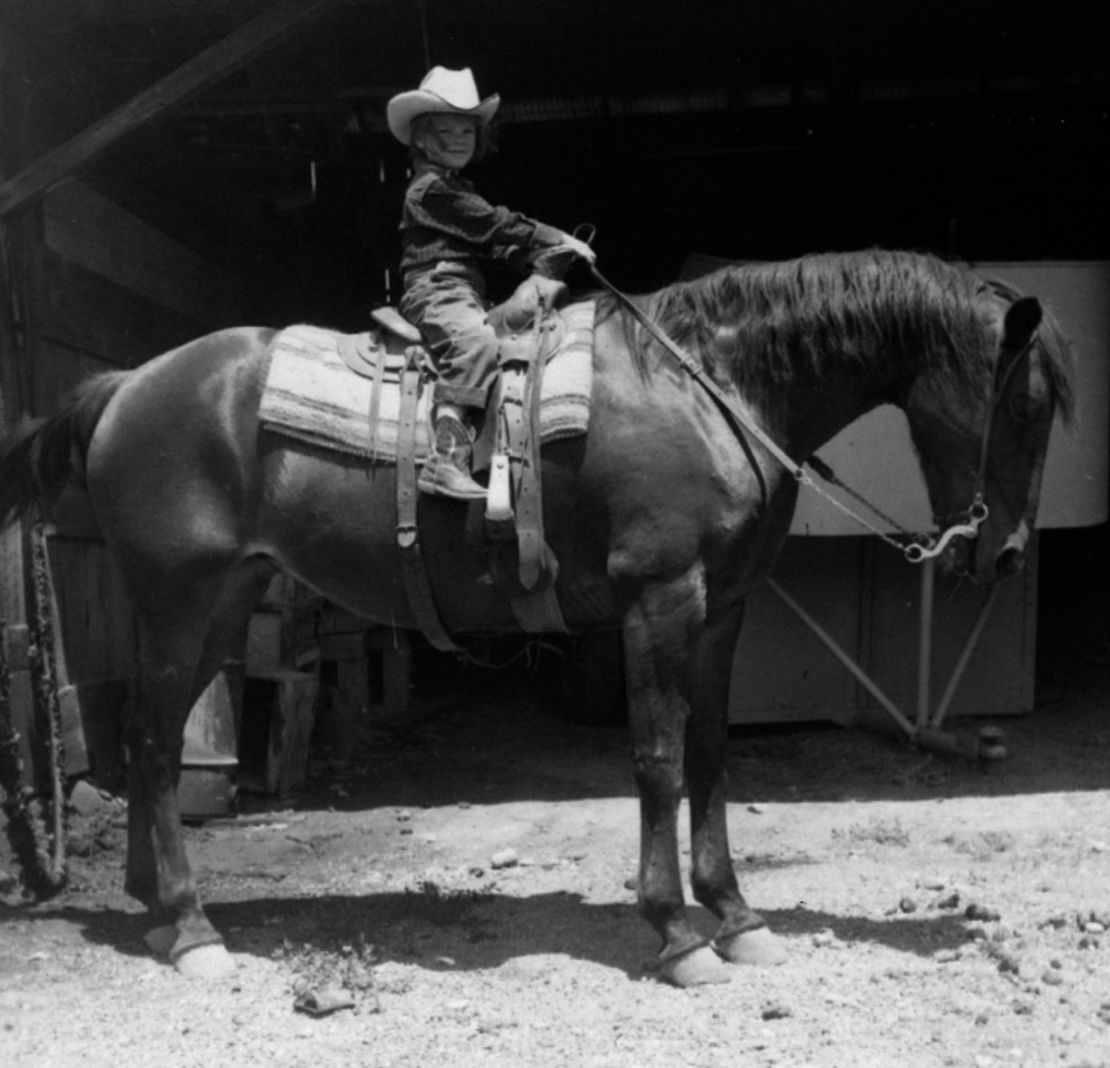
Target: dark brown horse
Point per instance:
(663, 517)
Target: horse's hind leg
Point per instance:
(743, 937)
(183, 640)
(660, 633)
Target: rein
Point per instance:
(915, 551)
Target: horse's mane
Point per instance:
(818, 313)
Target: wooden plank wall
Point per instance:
(14, 636)
(109, 291)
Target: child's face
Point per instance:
(449, 140)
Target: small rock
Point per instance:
(757, 809)
(1056, 922)
(476, 872)
(1022, 1007)
(933, 883)
(824, 938)
(946, 956)
(403, 815)
(1052, 977)
(86, 799)
(80, 845)
(323, 1002)
(1094, 927)
(505, 858)
(952, 901)
(975, 911)
(776, 1010)
(907, 904)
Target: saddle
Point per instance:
(522, 564)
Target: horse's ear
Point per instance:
(1022, 318)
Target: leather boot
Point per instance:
(447, 471)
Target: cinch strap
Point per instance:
(408, 535)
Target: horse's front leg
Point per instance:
(660, 634)
(743, 937)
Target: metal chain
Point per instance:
(830, 476)
(882, 535)
(48, 706)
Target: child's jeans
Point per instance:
(448, 304)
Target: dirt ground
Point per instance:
(467, 886)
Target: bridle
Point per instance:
(978, 510)
(916, 551)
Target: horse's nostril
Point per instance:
(1010, 559)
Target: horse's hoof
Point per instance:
(758, 946)
(161, 939)
(205, 962)
(696, 968)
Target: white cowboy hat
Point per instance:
(441, 90)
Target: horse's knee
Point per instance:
(659, 777)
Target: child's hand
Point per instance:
(579, 248)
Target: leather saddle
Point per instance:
(516, 316)
(529, 331)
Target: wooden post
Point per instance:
(14, 399)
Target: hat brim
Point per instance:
(405, 107)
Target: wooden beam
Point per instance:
(115, 12)
(216, 62)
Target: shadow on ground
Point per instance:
(461, 931)
(507, 739)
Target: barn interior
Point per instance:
(251, 133)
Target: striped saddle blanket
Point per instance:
(312, 395)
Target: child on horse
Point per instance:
(448, 235)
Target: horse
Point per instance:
(662, 516)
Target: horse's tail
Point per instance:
(43, 456)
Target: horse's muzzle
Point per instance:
(966, 557)
(1010, 559)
